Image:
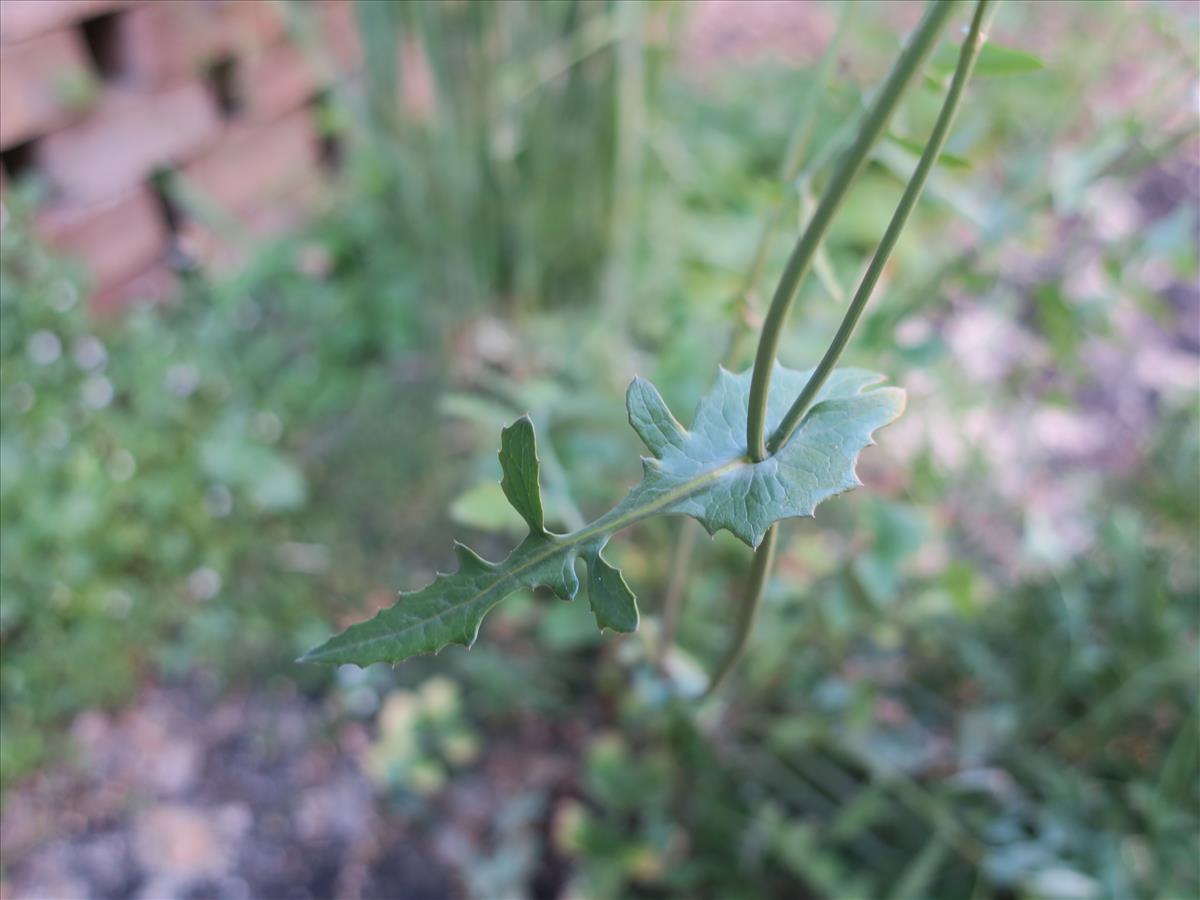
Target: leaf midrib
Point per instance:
(559, 544)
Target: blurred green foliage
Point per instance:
(422, 735)
(485, 141)
(163, 474)
(978, 681)
(133, 487)
(960, 687)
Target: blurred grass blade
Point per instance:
(994, 59)
(949, 160)
(822, 265)
(915, 882)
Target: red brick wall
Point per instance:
(107, 101)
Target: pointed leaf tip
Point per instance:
(613, 603)
(519, 463)
(747, 498)
(469, 560)
(652, 419)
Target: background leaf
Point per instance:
(994, 59)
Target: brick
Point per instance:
(43, 83)
(249, 24)
(115, 238)
(159, 43)
(163, 42)
(128, 135)
(215, 250)
(154, 285)
(275, 81)
(340, 32)
(23, 19)
(265, 175)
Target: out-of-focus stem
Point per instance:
(899, 79)
(627, 165)
(789, 169)
(937, 139)
(760, 571)
(912, 193)
(681, 561)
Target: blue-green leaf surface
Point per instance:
(703, 472)
(747, 498)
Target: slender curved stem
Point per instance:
(627, 162)
(912, 193)
(798, 143)
(764, 558)
(789, 169)
(873, 125)
(681, 562)
(899, 79)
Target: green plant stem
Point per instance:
(912, 193)
(627, 164)
(899, 79)
(590, 38)
(765, 554)
(673, 602)
(789, 169)
(764, 558)
(798, 144)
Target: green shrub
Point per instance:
(159, 471)
(138, 477)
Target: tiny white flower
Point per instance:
(97, 392)
(89, 353)
(56, 435)
(204, 583)
(121, 465)
(44, 347)
(24, 396)
(218, 501)
(118, 603)
(267, 427)
(182, 379)
(65, 296)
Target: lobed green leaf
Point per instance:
(703, 472)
